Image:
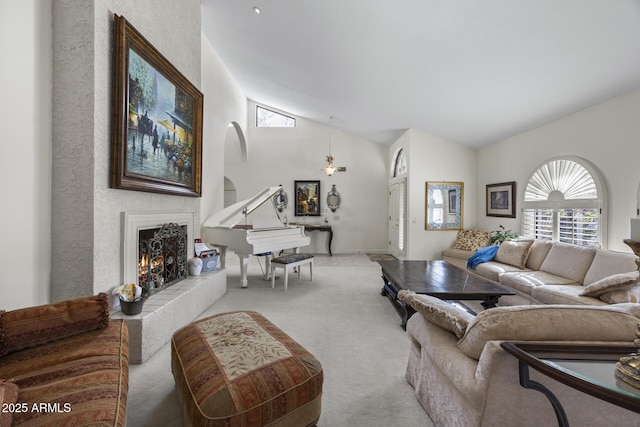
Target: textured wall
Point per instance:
(86, 213)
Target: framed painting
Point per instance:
(307, 197)
(157, 120)
(501, 200)
(452, 201)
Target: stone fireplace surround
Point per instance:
(172, 308)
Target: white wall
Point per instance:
(25, 172)
(433, 159)
(606, 135)
(224, 103)
(282, 155)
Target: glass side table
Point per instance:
(588, 368)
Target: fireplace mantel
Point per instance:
(133, 222)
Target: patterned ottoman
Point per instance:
(239, 369)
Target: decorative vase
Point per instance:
(195, 266)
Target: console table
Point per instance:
(588, 368)
(319, 227)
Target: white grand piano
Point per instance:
(262, 233)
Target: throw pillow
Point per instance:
(438, 312)
(537, 254)
(8, 397)
(617, 288)
(570, 261)
(548, 323)
(471, 240)
(607, 263)
(514, 252)
(32, 326)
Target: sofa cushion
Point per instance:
(492, 270)
(32, 326)
(568, 260)
(471, 240)
(8, 397)
(607, 263)
(514, 252)
(443, 314)
(525, 281)
(538, 252)
(563, 294)
(617, 288)
(548, 323)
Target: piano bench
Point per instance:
(288, 262)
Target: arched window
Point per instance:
(400, 164)
(563, 202)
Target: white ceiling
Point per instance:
(469, 71)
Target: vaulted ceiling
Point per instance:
(472, 72)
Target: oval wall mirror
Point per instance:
(281, 200)
(333, 199)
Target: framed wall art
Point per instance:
(307, 196)
(157, 120)
(452, 201)
(501, 199)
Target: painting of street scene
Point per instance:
(160, 125)
(307, 198)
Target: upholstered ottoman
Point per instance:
(239, 369)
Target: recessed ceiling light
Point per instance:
(257, 10)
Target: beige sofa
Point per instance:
(545, 272)
(462, 377)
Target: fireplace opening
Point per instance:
(162, 257)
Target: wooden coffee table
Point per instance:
(438, 279)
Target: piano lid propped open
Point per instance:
(232, 215)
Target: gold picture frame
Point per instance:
(157, 120)
(444, 205)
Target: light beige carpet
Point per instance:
(340, 317)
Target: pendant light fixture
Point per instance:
(330, 169)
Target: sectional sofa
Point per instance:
(545, 272)
(566, 294)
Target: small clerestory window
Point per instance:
(270, 119)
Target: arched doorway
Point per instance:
(230, 196)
